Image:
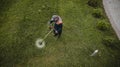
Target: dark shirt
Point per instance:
(57, 27)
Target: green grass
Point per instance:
(23, 21)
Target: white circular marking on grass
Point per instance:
(40, 43)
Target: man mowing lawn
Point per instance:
(56, 21)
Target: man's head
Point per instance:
(56, 19)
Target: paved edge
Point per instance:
(111, 17)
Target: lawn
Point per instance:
(24, 21)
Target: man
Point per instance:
(56, 21)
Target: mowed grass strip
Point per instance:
(25, 21)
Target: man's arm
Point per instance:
(50, 23)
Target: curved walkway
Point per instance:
(112, 9)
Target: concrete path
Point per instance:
(112, 9)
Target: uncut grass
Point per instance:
(27, 20)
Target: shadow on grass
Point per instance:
(4, 6)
